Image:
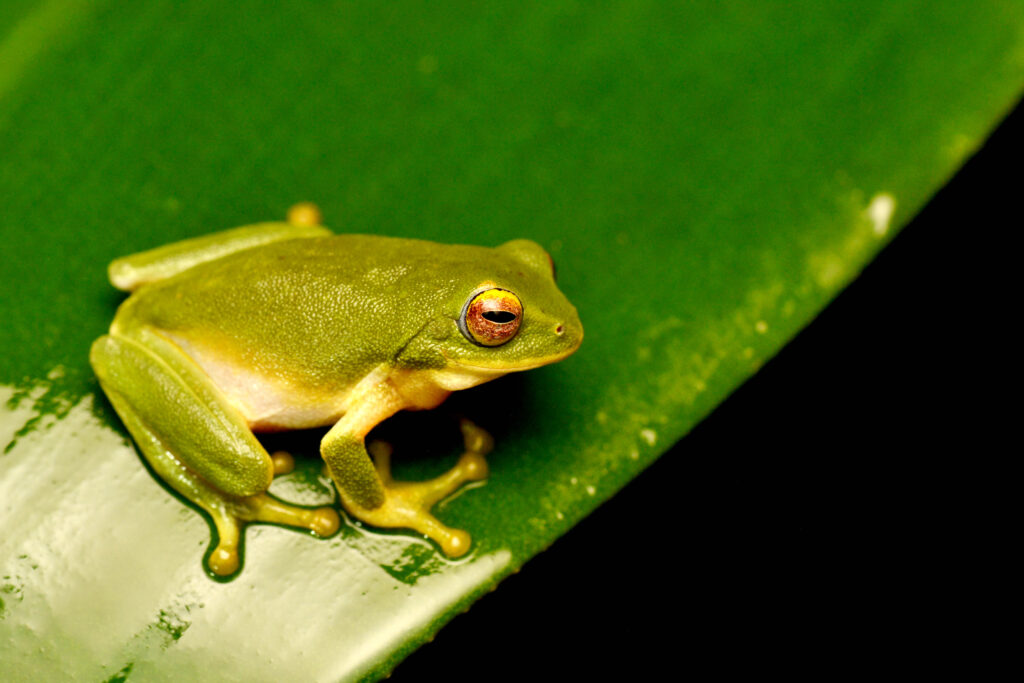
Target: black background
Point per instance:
(824, 512)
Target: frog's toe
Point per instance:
(380, 453)
(456, 544)
(407, 506)
(223, 561)
(472, 467)
(476, 439)
(325, 522)
(283, 462)
(453, 542)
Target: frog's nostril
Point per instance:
(559, 330)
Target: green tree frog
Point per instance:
(279, 326)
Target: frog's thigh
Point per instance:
(157, 406)
(155, 386)
(163, 463)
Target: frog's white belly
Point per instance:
(269, 404)
(274, 403)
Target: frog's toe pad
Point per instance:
(472, 467)
(223, 560)
(476, 439)
(283, 462)
(325, 522)
(455, 543)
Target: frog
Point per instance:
(288, 325)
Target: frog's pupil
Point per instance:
(499, 316)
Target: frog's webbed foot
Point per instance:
(231, 515)
(408, 504)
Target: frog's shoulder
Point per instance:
(131, 272)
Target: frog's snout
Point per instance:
(571, 333)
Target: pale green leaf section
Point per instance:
(74, 600)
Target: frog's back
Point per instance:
(339, 275)
(324, 307)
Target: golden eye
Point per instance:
(491, 317)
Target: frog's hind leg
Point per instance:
(201, 448)
(131, 272)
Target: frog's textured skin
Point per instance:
(286, 326)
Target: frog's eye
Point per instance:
(491, 317)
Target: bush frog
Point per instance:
(279, 326)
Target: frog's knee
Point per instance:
(246, 480)
(99, 355)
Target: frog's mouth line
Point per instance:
(503, 369)
(546, 360)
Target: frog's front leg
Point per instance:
(194, 440)
(366, 488)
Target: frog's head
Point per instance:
(501, 312)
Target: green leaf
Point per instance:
(706, 178)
